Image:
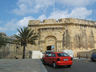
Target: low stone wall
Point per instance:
(13, 51)
(85, 54)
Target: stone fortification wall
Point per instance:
(63, 21)
(68, 33)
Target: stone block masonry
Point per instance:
(66, 33)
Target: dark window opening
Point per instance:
(49, 48)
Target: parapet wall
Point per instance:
(63, 21)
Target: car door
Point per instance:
(44, 58)
(49, 58)
(52, 58)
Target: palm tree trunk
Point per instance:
(23, 52)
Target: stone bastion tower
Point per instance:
(65, 33)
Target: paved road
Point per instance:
(78, 66)
(21, 65)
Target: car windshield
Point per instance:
(62, 54)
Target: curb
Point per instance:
(82, 60)
(42, 67)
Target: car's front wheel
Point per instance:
(43, 62)
(54, 65)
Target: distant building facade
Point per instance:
(66, 33)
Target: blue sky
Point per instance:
(17, 13)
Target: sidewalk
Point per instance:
(20, 65)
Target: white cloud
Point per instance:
(2, 29)
(24, 22)
(34, 6)
(82, 13)
(22, 10)
(58, 14)
(13, 24)
(42, 17)
(9, 26)
(31, 6)
(76, 3)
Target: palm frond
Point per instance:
(26, 35)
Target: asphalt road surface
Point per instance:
(78, 66)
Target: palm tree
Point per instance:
(26, 36)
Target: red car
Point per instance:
(57, 59)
